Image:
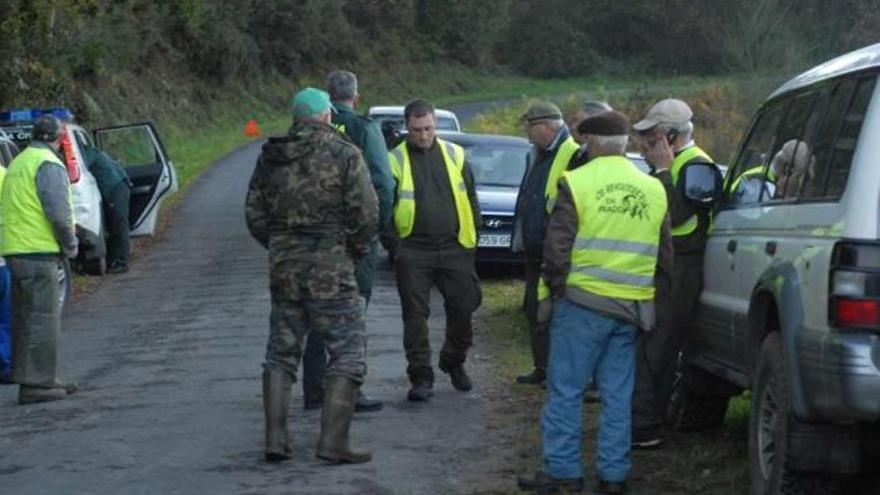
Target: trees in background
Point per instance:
(57, 51)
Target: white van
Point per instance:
(791, 302)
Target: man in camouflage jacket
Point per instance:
(311, 204)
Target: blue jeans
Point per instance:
(5, 321)
(584, 343)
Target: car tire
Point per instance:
(95, 266)
(698, 400)
(769, 423)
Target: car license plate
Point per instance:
(494, 240)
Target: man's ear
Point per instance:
(357, 101)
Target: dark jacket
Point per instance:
(367, 135)
(531, 203)
(108, 173)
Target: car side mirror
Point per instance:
(702, 183)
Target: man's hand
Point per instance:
(659, 154)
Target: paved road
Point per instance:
(168, 356)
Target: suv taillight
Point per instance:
(69, 158)
(854, 298)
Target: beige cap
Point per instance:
(668, 111)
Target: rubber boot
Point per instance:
(339, 398)
(276, 401)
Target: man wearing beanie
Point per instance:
(37, 235)
(552, 150)
(607, 234)
(311, 204)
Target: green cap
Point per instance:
(541, 110)
(309, 101)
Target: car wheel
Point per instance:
(698, 401)
(769, 423)
(95, 266)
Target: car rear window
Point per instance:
(497, 165)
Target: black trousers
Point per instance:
(539, 335)
(453, 272)
(116, 207)
(657, 351)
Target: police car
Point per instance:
(137, 147)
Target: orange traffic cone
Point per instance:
(251, 129)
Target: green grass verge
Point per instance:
(713, 461)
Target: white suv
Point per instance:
(791, 302)
(136, 146)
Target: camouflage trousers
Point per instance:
(36, 321)
(339, 323)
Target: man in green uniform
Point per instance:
(436, 217)
(311, 204)
(343, 89)
(115, 188)
(36, 211)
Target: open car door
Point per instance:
(137, 147)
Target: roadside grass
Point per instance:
(708, 462)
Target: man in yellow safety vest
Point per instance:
(667, 133)
(608, 233)
(436, 217)
(38, 233)
(552, 150)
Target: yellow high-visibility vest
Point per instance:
(689, 225)
(405, 205)
(620, 214)
(564, 152)
(25, 227)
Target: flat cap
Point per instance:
(47, 128)
(309, 101)
(541, 110)
(605, 124)
(668, 111)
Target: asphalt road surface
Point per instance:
(168, 357)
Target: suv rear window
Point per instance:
(805, 144)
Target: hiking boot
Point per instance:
(542, 483)
(117, 267)
(611, 487)
(365, 403)
(31, 395)
(459, 378)
(536, 377)
(647, 438)
(339, 398)
(276, 401)
(420, 392)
